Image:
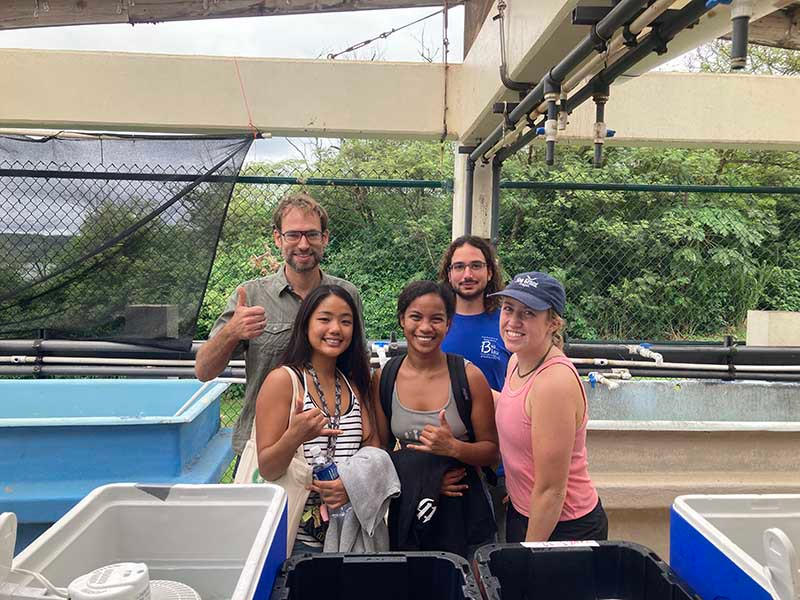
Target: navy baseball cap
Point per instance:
(536, 290)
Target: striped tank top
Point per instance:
(347, 444)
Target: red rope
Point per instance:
(256, 133)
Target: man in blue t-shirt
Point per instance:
(470, 266)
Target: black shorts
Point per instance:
(591, 526)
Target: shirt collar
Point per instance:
(284, 286)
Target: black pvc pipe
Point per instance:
(641, 187)
(93, 348)
(739, 37)
(713, 355)
(468, 191)
(616, 18)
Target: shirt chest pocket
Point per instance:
(274, 340)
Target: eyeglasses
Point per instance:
(312, 235)
(475, 265)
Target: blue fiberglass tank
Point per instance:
(60, 439)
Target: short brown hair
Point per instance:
(305, 203)
(495, 283)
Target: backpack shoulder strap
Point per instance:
(386, 386)
(458, 381)
(460, 385)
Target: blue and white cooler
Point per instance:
(737, 547)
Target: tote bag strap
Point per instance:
(295, 390)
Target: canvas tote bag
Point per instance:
(294, 481)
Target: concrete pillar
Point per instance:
(481, 198)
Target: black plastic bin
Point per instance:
(595, 571)
(384, 576)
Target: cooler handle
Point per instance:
(782, 567)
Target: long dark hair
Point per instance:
(495, 283)
(352, 362)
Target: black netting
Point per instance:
(111, 238)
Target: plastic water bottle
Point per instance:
(324, 469)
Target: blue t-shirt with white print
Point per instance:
(477, 338)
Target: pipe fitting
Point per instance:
(563, 115)
(551, 130)
(599, 378)
(600, 132)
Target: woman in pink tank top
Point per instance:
(541, 417)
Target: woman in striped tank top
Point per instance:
(328, 353)
(541, 417)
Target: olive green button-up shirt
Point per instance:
(262, 354)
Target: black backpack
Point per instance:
(458, 381)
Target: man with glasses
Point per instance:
(258, 318)
(470, 266)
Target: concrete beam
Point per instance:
(49, 13)
(141, 92)
(146, 92)
(475, 14)
(698, 110)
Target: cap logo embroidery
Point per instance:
(527, 281)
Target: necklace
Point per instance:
(337, 411)
(538, 364)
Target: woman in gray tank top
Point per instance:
(424, 414)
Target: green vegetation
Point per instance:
(649, 265)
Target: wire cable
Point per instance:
(386, 34)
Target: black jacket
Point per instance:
(421, 519)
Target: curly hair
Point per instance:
(495, 283)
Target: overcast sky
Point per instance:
(296, 36)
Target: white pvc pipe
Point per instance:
(605, 362)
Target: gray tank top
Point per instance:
(407, 423)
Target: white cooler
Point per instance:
(224, 541)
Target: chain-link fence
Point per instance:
(646, 249)
(657, 262)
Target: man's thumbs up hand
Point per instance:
(247, 322)
(241, 299)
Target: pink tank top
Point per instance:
(514, 430)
